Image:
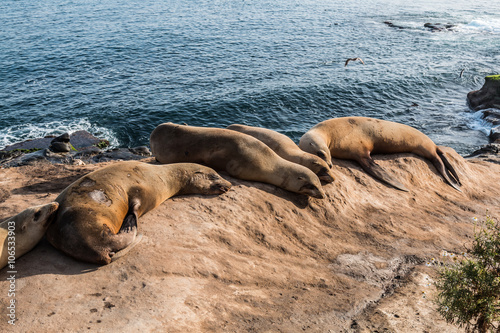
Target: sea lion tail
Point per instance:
(449, 167)
(375, 170)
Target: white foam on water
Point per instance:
(482, 26)
(19, 133)
(477, 123)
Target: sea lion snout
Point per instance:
(50, 213)
(312, 191)
(221, 188)
(325, 175)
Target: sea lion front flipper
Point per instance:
(375, 170)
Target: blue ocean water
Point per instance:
(119, 68)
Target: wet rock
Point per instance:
(82, 139)
(486, 97)
(88, 152)
(141, 150)
(78, 139)
(392, 25)
(495, 135)
(61, 144)
(124, 154)
(489, 152)
(492, 116)
(439, 26)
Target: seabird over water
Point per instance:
(353, 59)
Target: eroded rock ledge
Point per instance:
(258, 258)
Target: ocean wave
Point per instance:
(482, 26)
(19, 133)
(477, 123)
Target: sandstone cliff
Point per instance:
(258, 258)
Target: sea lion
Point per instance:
(22, 232)
(98, 213)
(240, 155)
(355, 138)
(287, 149)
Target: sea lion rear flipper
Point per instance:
(129, 226)
(375, 170)
(448, 166)
(124, 251)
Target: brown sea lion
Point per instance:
(287, 149)
(22, 232)
(240, 155)
(97, 215)
(356, 138)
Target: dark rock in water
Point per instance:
(492, 116)
(89, 155)
(124, 154)
(41, 143)
(392, 25)
(60, 144)
(486, 97)
(59, 150)
(489, 152)
(78, 139)
(81, 139)
(62, 138)
(60, 147)
(141, 150)
(495, 135)
(439, 26)
(88, 151)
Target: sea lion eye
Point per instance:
(37, 216)
(213, 177)
(321, 154)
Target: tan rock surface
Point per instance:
(258, 258)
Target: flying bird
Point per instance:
(354, 59)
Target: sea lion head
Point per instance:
(307, 183)
(31, 224)
(313, 143)
(205, 180)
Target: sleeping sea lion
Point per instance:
(22, 232)
(98, 213)
(240, 155)
(287, 149)
(356, 138)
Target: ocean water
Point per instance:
(120, 68)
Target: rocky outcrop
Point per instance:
(486, 97)
(81, 147)
(258, 258)
(78, 139)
